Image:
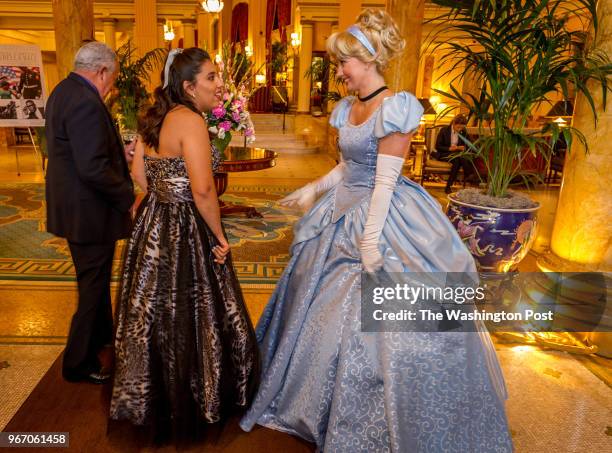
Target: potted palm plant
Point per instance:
(131, 91)
(521, 54)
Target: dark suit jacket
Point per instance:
(89, 189)
(443, 142)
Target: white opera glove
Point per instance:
(305, 197)
(388, 169)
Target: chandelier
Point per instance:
(212, 6)
(168, 31)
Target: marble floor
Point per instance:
(37, 314)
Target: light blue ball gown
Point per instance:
(351, 391)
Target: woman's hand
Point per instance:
(303, 198)
(221, 250)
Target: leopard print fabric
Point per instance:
(185, 346)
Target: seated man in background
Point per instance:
(448, 144)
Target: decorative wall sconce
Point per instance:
(218, 58)
(295, 41)
(168, 31)
(260, 79)
(212, 6)
(248, 51)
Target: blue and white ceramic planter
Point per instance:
(497, 238)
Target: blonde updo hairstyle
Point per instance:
(382, 32)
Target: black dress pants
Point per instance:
(92, 324)
(456, 164)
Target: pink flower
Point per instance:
(218, 112)
(225, 125)
(236, 116)
(226, 96)
(249, 132)
(466, 230)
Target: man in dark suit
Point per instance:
(448, 144)
(89, 196)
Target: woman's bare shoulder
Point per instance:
(184, 117)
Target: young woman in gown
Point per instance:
(185, 348)
(325, 380)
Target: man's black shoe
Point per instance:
(95, 377)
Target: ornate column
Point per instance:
(145, 32)
(188, 32)
(203, 26)
(408, 15)
(73, 21)
(109, 27)
(225, 21)
(305, 62)
(349, 10)
(161, 42)
(257, 32)
(145, 25)
(582, 232)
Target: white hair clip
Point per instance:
(171, 56)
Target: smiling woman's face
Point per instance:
(352, 71)
(206, 91)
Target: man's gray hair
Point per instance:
(94, 56)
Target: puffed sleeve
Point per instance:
(339, 116)
(400, 113)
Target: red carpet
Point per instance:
(82, 410)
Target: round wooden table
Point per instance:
(238, 159)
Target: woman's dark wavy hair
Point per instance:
(185, 67)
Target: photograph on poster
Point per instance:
(20, 82)
(8, 109)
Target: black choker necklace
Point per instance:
(374, 94)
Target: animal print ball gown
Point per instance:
(185, 348)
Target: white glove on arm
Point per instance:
(307, 195)
(388, 169)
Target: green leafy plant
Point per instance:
(319, 70)
(521, 53)
(279, 60)
(131, 92)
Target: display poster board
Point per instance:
(22, 87)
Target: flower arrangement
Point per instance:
(236, 71)
(230, 115)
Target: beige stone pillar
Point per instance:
(582, 232)
(257, 33)
(145, 33)
(145, 25)
(349, 10)
(73, 21)
(204, 31)
(305, 62)
(188, 32)
(161, 42)
(225, 21)
(408, 15)
(109, 26)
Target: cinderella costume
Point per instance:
(346, 390)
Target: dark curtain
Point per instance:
(239, 31)
(284, 17)
(279, 11)
(270, 14)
